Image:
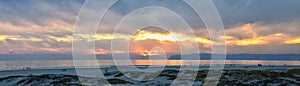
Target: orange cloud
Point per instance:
(173, 37)
(232, 41)
(257, 40)
(111, 36)
(245, 35)
(146, 35)
(248, 34)
(253, 41)
(293, 41)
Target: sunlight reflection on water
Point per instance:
(11, 65)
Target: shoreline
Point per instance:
(142, 66)
(72, 70)
(231, 75)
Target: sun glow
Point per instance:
(142, 52)
(145, 52)
(3, 37)
(173, 37)
(145, 35)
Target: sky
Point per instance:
(251, 26)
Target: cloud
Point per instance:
(256, 26)
(29, 26)
(241, 12)
(293, 41)
(39, 11)
(263, 38)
